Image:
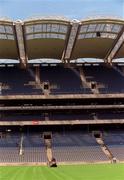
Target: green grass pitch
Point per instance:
(65, 172)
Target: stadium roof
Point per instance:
(62, 39)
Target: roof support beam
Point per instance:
(117, 45)
(21, 43)
(71, 41)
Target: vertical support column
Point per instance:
(0, 88)
(37, 75)
(21, 43)
(71, 40)
(21, 145)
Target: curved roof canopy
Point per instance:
(8, 46)
(60, 38)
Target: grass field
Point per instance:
(67, 172)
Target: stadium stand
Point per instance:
(104, 76)
(111, 115)
(76, 147)
(33, 149)
(16, 81)
(61, 80)
(67, 147)
(53, 89)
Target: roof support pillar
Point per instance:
(71, 41)
(21, 44)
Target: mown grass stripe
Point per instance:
(72, 172)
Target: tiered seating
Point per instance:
(16, 81)
(62, 80)
(110, 115)
(33, 147)
(9, 149)
(108, 79)
(76, 147)
(115, 142)
(70, 116)
(67, 147)
(34, 150)
(22, 117)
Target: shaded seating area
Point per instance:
(62, 80)
(16, 81)
(108, 79)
